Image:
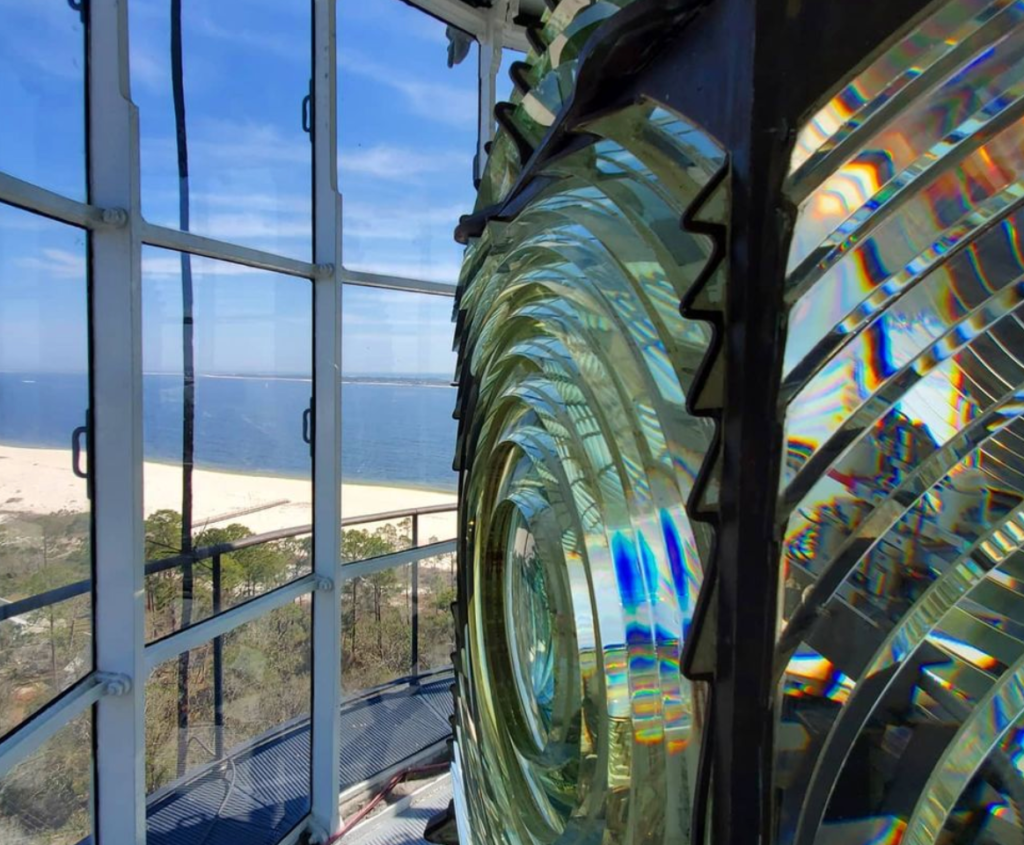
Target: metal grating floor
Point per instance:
(392, 726)
(261, 791)
(404, 823)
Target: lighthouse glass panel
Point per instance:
(404, 168)
(45, 505)
(901, 645)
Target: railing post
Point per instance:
(415, 597)
(218, 668)
(184, 660)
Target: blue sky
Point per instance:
(407, 131)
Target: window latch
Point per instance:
(78, 436)
(307, 425)
(78, 6)
(307, 111)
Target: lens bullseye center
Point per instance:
(530, 623)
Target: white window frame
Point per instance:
(325, 717)
(113, 218)
(116, 462)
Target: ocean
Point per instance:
(396, 431)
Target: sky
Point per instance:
(407, 132)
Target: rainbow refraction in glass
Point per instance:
(900, 653)
(580, 565)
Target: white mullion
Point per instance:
(325, 721)
(515, 39)
(217, 626)
(458, 14)
(471, 20)
(488, 63)
(194, 244)
(386, 282)
(116, 461)
(21, 194)
(41, 727)
(362, 568)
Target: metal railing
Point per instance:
(38, 601)
(214, 553)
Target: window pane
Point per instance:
(398, 434)
(246, 70)
(362, 540)
(386, 720)
(406, 169)
(42, 93)
(44, 507)
(251, 468)
(42, 653)
(388, 729)
(243, 776)
(377, 618)
(437, 625)
(47, 798)
(378, 609)
(376, 646)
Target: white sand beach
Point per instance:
(35, 481)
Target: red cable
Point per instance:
(380, 796)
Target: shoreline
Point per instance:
(422, 488)
(226, 470)
(39, 480)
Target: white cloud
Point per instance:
(45, 36)
(240, 146)
(12, 218)
(436, 101)
(396, 20)
(237, 200)
(402, 222)
(394, 163)
(255, 201)
(236, 167)
(56, 263)
(230, 147)
(439, 102)
(247, 226)
(248, 144)
(275, 43)
(169, 266)
(149, 68)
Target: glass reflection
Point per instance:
(377, 643)
(46, 799)
(231, 160)
(406, 170)
(241, 767)
(398, 399)
(531, 623)
(42, 93)
(903, 482)
(45, 511)
(948, 29)
(396, 646)
(225, 395)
